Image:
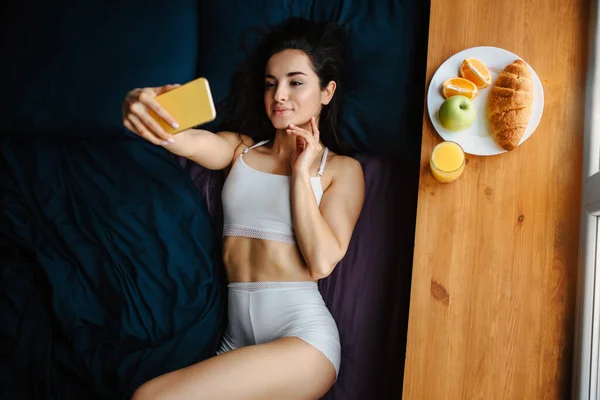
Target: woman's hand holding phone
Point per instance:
(167, 116)
(137, 119)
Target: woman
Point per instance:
(290, 205)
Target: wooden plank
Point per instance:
(494, 272)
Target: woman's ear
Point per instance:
(327, 93)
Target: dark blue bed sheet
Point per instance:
(125, 282)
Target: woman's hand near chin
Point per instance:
(308, 147)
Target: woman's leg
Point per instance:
(287, 368)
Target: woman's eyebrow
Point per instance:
(289, 74)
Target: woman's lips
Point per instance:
(281, 111)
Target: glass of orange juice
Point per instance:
(447, 161)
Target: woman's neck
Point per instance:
(284, 144)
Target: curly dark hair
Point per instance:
(325, 46)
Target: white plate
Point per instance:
(478, 139)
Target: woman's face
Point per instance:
(292, 90)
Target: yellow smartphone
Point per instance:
(190, 104)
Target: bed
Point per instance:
(110, 268)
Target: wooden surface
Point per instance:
(493, 285)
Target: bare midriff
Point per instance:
(258, 260)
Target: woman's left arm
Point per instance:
(323, 234)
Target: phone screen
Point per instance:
(190, 104)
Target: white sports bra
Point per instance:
(258, 204)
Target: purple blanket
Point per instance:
(369, 291)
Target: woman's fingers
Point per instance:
(166, 88)
(315, 129)
(142, 130)
(139, 111)
(129, 126)
(146, 97)
(308, 137)
(142, 105)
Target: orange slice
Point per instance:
(476, 71)
(456, 86)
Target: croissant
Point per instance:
(509, 104)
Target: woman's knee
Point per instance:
(141, 393)
(150, 391)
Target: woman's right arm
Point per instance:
(212, 151)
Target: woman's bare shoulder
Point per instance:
(344, 168)
(238, 141)
(341, 162)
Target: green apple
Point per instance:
(457, 113)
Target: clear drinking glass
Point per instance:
(447, 161)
